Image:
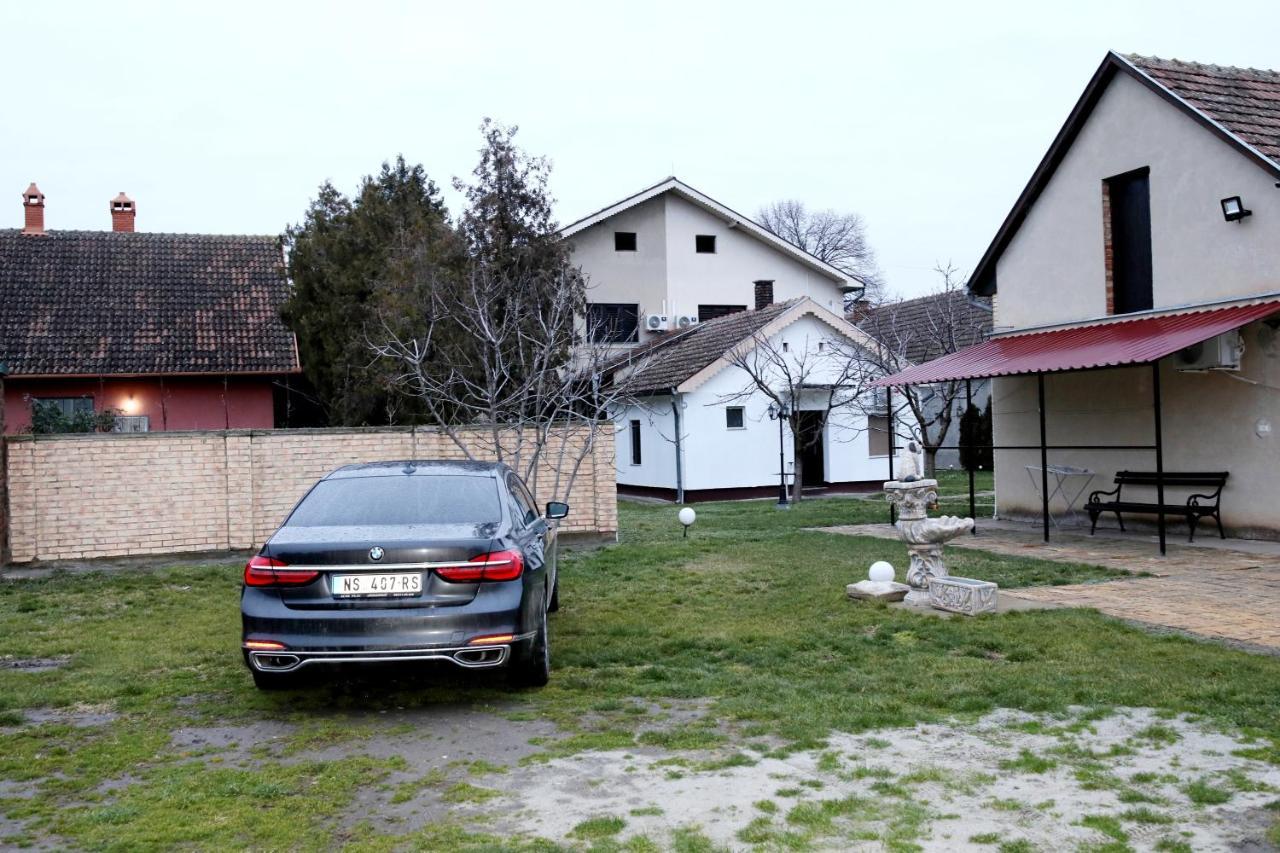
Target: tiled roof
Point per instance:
(928, 327)
(1246, 101)
(667, 362)
(108, 303)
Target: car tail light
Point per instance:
(266, 571)
(263, 645)
(494, 566)
(492, 640)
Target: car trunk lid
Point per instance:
(378, 550)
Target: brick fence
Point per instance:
(107, 495)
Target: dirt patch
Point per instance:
(1057, 783)
(33, 664)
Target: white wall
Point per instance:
(1052, 271)
(629, 277)
(657, 466)
(727, 277)
(666, 270)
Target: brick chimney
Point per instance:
(33, 210)
(764, 293)
(122, 213)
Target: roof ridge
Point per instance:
(86, 232)
(1187, 63)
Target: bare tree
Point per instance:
(803, 377)
(501, 363)
(839, 239)
(918, 330)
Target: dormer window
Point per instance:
(624, 241)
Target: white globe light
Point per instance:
(880, 572)
(688, 516)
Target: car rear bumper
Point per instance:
(385, 635)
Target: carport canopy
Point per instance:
(1114, 342)
(1108, 343)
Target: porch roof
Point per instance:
(1108, 343)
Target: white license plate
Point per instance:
(400, 583)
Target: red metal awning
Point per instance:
(1109, 343)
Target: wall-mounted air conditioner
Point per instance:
(1218, 353)
(684, 321)
(656, 322)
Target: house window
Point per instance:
(877, 435)
(67, 406)
(710, 312)
(635, 442)
(613, 322)
(132, 423)
(624, 241)
(704, 244)
(1127, 230)
(733, 418)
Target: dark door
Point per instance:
(1130, 196)
(811, 450)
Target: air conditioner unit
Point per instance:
(656, 322)
(1218, 353)
(684, 321)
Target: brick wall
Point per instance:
(82, 496)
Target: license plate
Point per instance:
(400, 583)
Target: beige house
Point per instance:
(1136, 287)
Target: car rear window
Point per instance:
(417, 499)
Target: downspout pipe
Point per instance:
(675, 413)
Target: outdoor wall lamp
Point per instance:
(1233, 209)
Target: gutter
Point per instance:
(675, 412)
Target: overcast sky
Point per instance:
(926, 118)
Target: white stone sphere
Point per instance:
(688, 516)
(880, 572)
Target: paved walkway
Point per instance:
(1227, 590)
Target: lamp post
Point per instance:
(780, 413)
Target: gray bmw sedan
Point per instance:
(398, 562)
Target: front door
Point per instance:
(811, 450)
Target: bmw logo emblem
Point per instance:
(375, 553)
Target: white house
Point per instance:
(676, 281)
(1137, 296)
(669, 256)
(696, 428)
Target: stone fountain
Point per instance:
(913, 495)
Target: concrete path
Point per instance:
(1225, 590)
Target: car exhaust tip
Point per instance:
(275, 662)
(491, 656)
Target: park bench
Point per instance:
(1196, 507)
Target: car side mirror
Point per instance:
(557, 509)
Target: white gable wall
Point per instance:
(1052, 271)
(665, 273)
(727, 277)
(629, 277)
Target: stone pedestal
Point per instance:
(924, 536)
(869, 590)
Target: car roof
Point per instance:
(420, 467)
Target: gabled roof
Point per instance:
(1239, 105)
(684, 360)
(102, 303)
(928, 327)
(732, 219)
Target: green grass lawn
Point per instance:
(747, 616)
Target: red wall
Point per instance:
(171, 404)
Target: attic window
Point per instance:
(786, 347)
(733, 418)
(705, 244)
(624, 241)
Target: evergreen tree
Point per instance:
(340, 260)
(986, 456)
